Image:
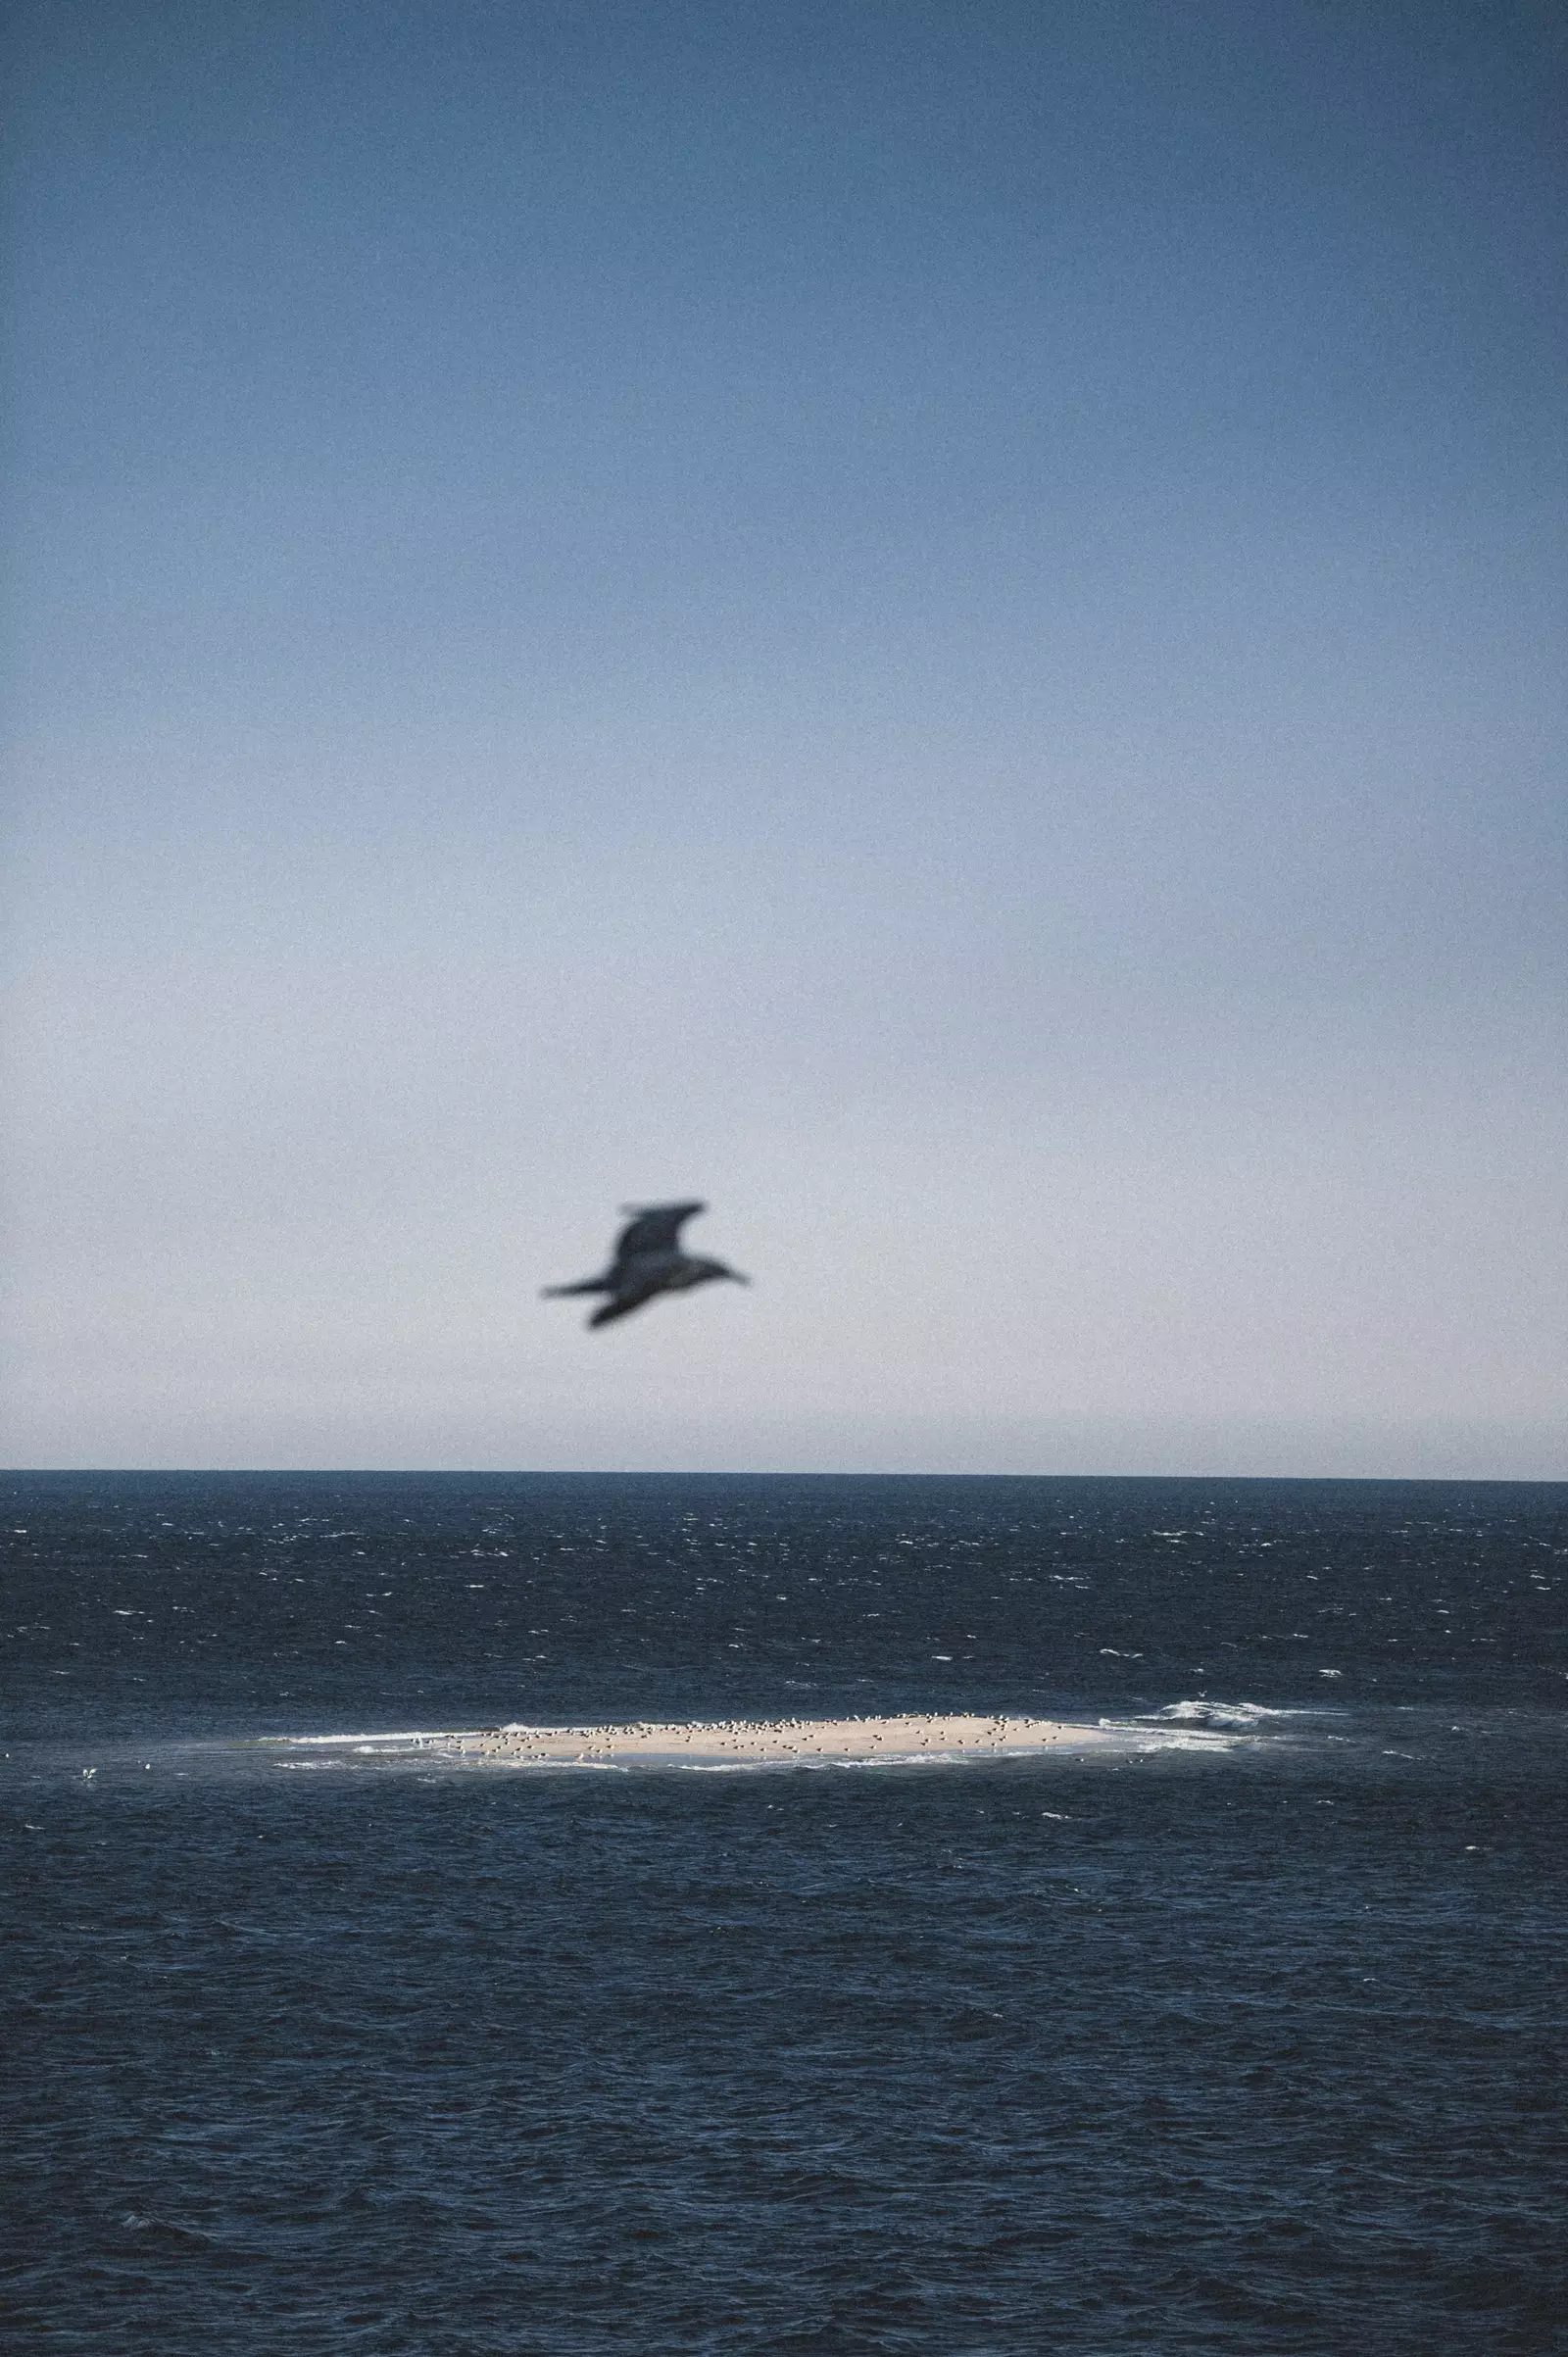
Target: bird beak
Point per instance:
(736, 1274)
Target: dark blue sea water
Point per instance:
(1251, 2049)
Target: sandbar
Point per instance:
(912, 1737)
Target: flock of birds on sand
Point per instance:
(648, 1260)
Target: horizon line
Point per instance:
(730, 1473)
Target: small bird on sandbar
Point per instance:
(647, 1261)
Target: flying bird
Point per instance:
(647, 1261)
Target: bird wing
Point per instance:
(622, 1304)
(652, 1228)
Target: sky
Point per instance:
(941, 625)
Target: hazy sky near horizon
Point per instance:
(943, 625)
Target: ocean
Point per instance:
(1243, 2033)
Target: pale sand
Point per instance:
(732, 1742)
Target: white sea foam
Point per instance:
(418, 1734)
(1198, 1740)
(1141, 1736)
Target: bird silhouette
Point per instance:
(647, 1261)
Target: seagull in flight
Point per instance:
(647, 1261)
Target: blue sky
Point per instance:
(941, 625)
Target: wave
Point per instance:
(1201, 1712)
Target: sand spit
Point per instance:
(723, 1741)
(741, 1742)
